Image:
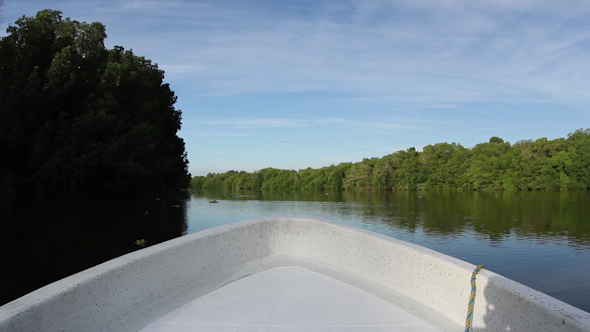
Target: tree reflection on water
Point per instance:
(45, 241)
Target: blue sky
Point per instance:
(296, 84)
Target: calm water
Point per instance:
(541, 239)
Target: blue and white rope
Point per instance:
(472, 298)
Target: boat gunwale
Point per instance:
(16, 310)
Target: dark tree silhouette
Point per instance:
(76, 117)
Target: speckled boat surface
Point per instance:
(286, 274)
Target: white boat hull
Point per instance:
(138, 290)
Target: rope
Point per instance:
(472, 299)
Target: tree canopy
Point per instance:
(495, 165)
(78, 117)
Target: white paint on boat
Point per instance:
(288, 298)
(408, 283)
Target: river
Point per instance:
(540, 239)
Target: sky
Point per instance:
(292, 84)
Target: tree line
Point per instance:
(541, 164)
(76, 117)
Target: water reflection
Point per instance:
(45, 241)
(543, 216)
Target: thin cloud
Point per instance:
(213, 134)
(448, 52)
(254, 123)
(399, 123)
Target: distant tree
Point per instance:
(495, 165)
(445, 163)
(488, 164)
(337, 174)
(360, 175)
(412, 173)
(77, 117)
(496, 139)
(383, 173)
(306, 178)
(579, 154)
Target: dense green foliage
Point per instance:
(495, 165)
(76, 117)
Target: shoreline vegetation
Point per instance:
(78, 118)
(542, 164)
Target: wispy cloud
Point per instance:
(214, 151)
(232, 126)
(198, 133)
(254, 123)
(416, 51)
(475, 58)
